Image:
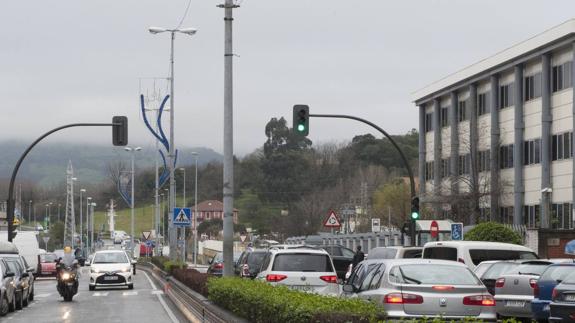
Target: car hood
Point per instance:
(109, 267)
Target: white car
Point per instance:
(308, 270)
(110, 268)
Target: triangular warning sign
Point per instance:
(332, 220)
(182, 217)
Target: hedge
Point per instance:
(260, 302)
(493, 231)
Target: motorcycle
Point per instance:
(67, 283)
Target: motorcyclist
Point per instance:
(67, 275)
(68, 261)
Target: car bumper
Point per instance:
(513, 306)
(111, 279)
(403, 317)
(562, 312)
(540, 309)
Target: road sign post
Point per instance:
(434, 230)
(375, 225)
(182, 217)
(46, 239)
(332, 220)
(457, 231)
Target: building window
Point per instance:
(532, 152)
(483, 106)
(506, 214)
(484, 160)
(428, 122)
(531, 216)
(561, 77)
(445, 168)
(562, 216)
(532, 87)
(461, 111)
(444, 117)
(505, 96)
(506, 156)
(562, 146)
(463, 164)
(428, 171)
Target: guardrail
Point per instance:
(194, 306)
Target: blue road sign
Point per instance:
(457, 231)
(182, 217)
(149, 243)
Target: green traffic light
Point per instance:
(414, 215)
(300, 127)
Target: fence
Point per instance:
(367, 241)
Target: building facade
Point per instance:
(212, 209)
(497, 136)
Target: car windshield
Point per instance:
(535, 269)
(431, 274)
(255, 259)
(499, 269)
(306, 262)
(570, 279)
(382, 253)
(48, 257)
(557, 273)
(110, 258)
(444, 253)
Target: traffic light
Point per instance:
(301, 119)
(415, 208)
(120, 131)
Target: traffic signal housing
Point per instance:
(120, 130)
(415, 208)
(301, 119)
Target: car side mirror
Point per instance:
(348, 288)
(30, 269)
(25, 274)
(9, 274)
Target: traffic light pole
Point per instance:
(403, 158)
(10, 202)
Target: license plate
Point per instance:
(70, 284)
(570, 297)
(303, 288)
(110, 277)
(514, 303)
(47, 273)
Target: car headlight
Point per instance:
(127, 269)
(95, 271)
(65, 276)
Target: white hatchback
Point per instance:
(110, 268)
(303, 269)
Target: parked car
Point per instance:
(395, 252)
(303, 269)
(514, 289)
(418, 288)
(216, 267)
(7, 289)
(341, 256)
(562, 307)
(542, 293)
(249, 263)
(498, 269)
(46, 265)
(23, 280)
(472, 253)
(27, 244)
(110, 268)
(483, 267)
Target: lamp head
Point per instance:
(127, 149)
(156, 30)
(189, 31)
(138, 148)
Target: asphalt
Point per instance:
(145, 303)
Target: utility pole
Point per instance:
(69, 220)
(228, 245)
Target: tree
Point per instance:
(493, 231)
(393, 197)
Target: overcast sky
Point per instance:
(69, 61)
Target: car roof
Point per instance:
(111, 251)
(490, 244)
(299, 250)
(414, 261)
(8, 248)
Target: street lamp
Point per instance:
(190, 32)
(29, 211)
(132, 151)
(82, 190)
(88, 242)
(195, 213)
(184, 228)
(92, 205)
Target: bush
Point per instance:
(493, 231)
(169, 265)
(193, 279)
(160, 261)
(260, 302)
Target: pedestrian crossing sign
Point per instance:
(182, 216)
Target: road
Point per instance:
(145, 303)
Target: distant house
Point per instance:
(212, 209)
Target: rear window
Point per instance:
(570, 279)
(445, 253)
(535, 269)
(49, 257)
(412, 254)
(255, 259)
(557, 273)
(479, 255)
(333, 251)
(499, 269)
(382, 253)
(432, 274)
(302, 262)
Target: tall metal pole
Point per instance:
(157, 196)
(88, 242)
(29, 212)
(133, 152)
(195, 214)
(184, 228)
(228, 191)
(81, 222)
(172, 200)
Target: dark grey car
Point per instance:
(562, 307)
(7, 289)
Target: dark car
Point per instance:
(216, 267)
(562, 307)
(543, 291)
(341, 256)
(22, 280)
(7, 289)
(249, 263)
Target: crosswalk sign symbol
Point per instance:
(182, 216)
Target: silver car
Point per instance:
(418, 288)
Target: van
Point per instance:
(472, 253)
(27, 244)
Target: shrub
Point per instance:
(160, 261)
(170, 265)
(493, 231)
(260, 302)
(193, 279)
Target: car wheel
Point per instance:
(12, 305)
(19, 301)
(4, 306)
(92, 288)
(25, 301)
(31, 296)
(131, 286)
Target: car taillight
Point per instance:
(536, 291)
(443, 287)
(246, 270)
(402, 298)
(500, 282)
(461, 260)
(219, 265)
(533, 283)
(479, 300)
(554, 294)
(329, 279)
(275, 278)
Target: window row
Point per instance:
(562, 146)
(484, 160)
(428, 171)
(464, 164)
(532, 152)
(445, 168)
(531, 216)
(506, 156)
(561, 216)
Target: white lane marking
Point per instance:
(129, 293)
(157, 292)
(161, 299)
(100, 294)
(66, 315)
(43, 295)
